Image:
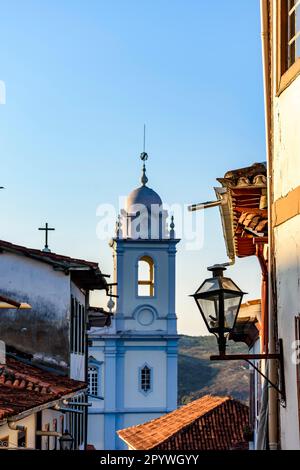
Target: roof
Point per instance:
(86, 274)
(98, 317)
(209, 423)
(247, 326)
(244, 210)
(24, 387)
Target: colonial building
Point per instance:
(281, 54)
(53, 333)
(134, 362)
(34, 404)
(243, 205)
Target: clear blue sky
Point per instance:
(81, 79)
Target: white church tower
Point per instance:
(133, 364)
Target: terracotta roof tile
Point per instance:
(24, 386)
(209, 423)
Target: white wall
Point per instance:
(285, 178)
(30, 425)
(133, 398)
(96, 431)
(287, 254)
(43, 330)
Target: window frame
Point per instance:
(151, 282)
(286, 73)
(77, 327)
(92, 362)
(145, 392)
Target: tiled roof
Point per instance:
(91, 277)
(244, 215)
(209, 423)
(46, 256)
(23, 387)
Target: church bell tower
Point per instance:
(138, 352)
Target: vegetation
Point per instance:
(198, 376)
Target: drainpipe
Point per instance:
(16, 427)
(272, 375)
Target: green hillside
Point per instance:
(198, 376)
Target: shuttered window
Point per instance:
(77, 327)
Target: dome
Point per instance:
(143, 195)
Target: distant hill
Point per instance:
(198, 376)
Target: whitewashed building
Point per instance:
(281, 54)
(133, 364)
(53, 333)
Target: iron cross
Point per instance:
(46, 229)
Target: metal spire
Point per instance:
(144, 157)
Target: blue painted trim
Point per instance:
(145, 348)
(138, 309)
(110, 431)
(144, 392)
(172, 374)
(120, 444)
(129, 411)
(120, 377)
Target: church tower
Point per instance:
(134, 362)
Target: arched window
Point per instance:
(145, 379)
(146, 277)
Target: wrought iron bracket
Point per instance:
(250, 357)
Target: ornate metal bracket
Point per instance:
(249, 357)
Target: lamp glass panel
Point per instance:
(231, 306)
(228, 284)
(210, 309)
(209, 285)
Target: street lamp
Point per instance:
(66, 441)
(219, 300)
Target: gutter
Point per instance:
(272, 373)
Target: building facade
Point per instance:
(53, 333)
(281, 53)
(133, 364)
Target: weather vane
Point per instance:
(144, 156)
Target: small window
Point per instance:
(146, 277)
(93, 387)
(77, 327)
(289, 27)
(145, 379)
(293, 31)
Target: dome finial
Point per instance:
(144, 157)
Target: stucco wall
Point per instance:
(285, 178)
(43, 330)
(29, 423)
(287, 253)
(133, 397)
